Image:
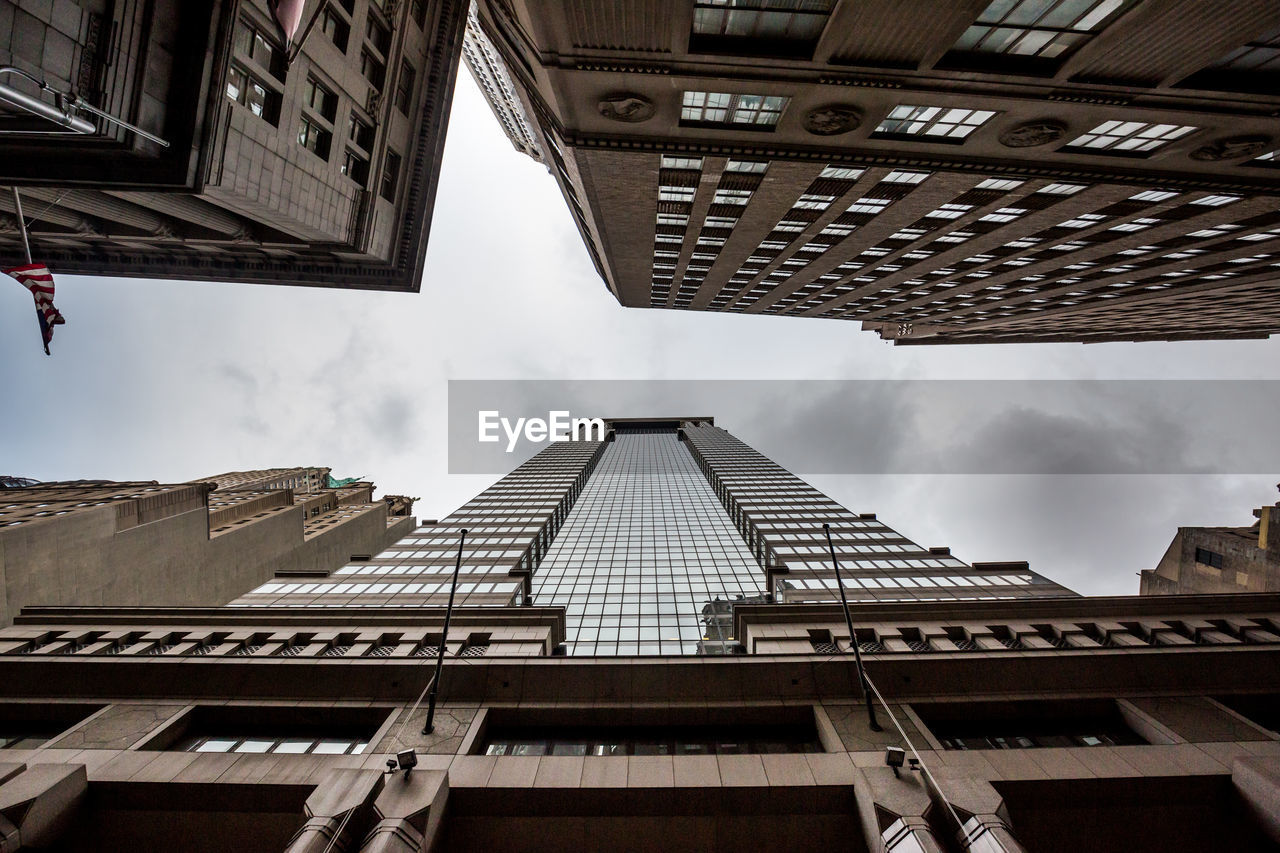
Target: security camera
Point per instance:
(405, 760)
(895, 757)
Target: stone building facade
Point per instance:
(1010, 713)
(942, 172)
(194, 544)
(1220, 559)
(313, 162)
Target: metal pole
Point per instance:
(22, 223)
(853, 640)
(429, 726)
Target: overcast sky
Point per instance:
(172, 381)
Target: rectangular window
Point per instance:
(669, 162)
(356, 168)
(1046, 29)
(653, 740)
(404, 88)
(1133, 137)
(320, 99)
(1209, 558)
(1027, 724)
(418, 10)
(1261, 54)
(313, 137)
(372, 68)
(379, 36)
(253, 43)
(751, 167)
(841, 173)
(245, 88)
(390, 176)
(336, 28)
(756, 112)
(946, 124)
(360, 132)
(763, 27)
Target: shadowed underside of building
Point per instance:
(943, 172)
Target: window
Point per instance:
(717, 22)
(754, 167)
(313, 137)
(1209, 558)
(245, 88)
(1061, 189)
(653, 740)
(1261, 54)
(680, 194)
(841, 173)
(1153, 195)
(379, 36)
(1271, 158)
(360, 132)
(732, 197)
(669, 162)
(337, 29)
(1047, 29)
(404, 88)
(278, 746)
(356, 168)
(390, 176)
(372, 68)
(253, 43)
(1129, 136)
(1028, 724)
(1003, 184)
(905, 177)
(758, 112)
(951, 125)
(320, 99)
(418, 9)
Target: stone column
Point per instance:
(984, 818)
(1257, 778)
(333, 811)
(408, 812)
(38, 804)
(894, 811)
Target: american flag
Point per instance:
(38, 279)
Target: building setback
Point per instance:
(313, 163)
(184, 544)
(943, 172)
(1220, 559)
(285, 720)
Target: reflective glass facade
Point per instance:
(645, 548)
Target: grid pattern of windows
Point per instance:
(944, 123)
(277, 746)
(762, 19)
(723, 108)
(645, 549)
(1261, 54)
(1130, 136)
(1041, 28)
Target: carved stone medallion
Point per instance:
(626, 106)
(1033, 133)
(1232, 148)
(832, 119)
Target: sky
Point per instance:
(172, 381)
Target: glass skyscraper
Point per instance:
(648, 539)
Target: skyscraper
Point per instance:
(649, 539)
(1014, 715)
(307, 158)
(942, 172)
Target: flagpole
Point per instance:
(429, 725)
(22, 223)
(853, 639)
